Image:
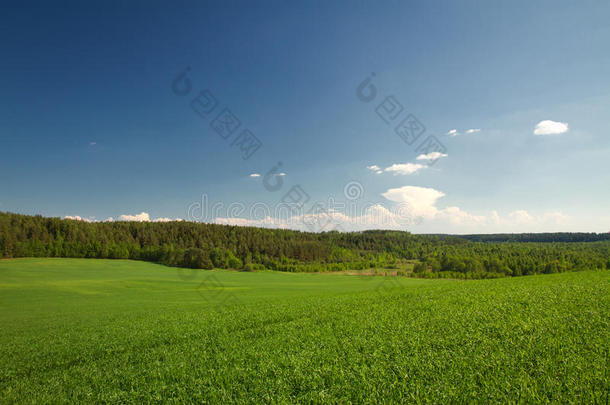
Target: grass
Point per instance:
(124, 332)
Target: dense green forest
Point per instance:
(207, 246)
(536, 237)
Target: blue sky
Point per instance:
(90, 126)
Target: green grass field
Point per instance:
(77, 330)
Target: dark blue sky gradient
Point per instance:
(78, 73)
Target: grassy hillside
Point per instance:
(121, 331)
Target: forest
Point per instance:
(208, 246)
(537, 237)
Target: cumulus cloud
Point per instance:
(431, 156)
(408, 208)
(548, 127)
(422, 200)
(404, 168)
(144, 217)
(554, 217)
(255, 175)
(520, 216)
(457, 216)
(141, 217)
(524, 221)
(423, 203)
(166, 219)
(473, 130)
(77, 218)
(267, 222)
(371, 217)
(453, 132)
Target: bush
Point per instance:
(419, 267)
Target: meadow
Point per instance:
(119, 331)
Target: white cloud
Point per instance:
(167, 219)
(523, 221)
(162, 220)
(554, 217)
(255, 175)
(456, 216)
(411, 208)
(495, 217)
(422, 200)
(404, 168)
(414, 208)
(375, 168)
(141, 217)
(520, 216)
(422, 203)
(144, 217)
(267, 222)
(454, 132)
(548, 127)
(371, 217)
(431, 156)
(77, 218)
(407, 168)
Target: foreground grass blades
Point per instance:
(121, 331)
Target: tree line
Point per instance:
(537, 237)
(207, 246)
